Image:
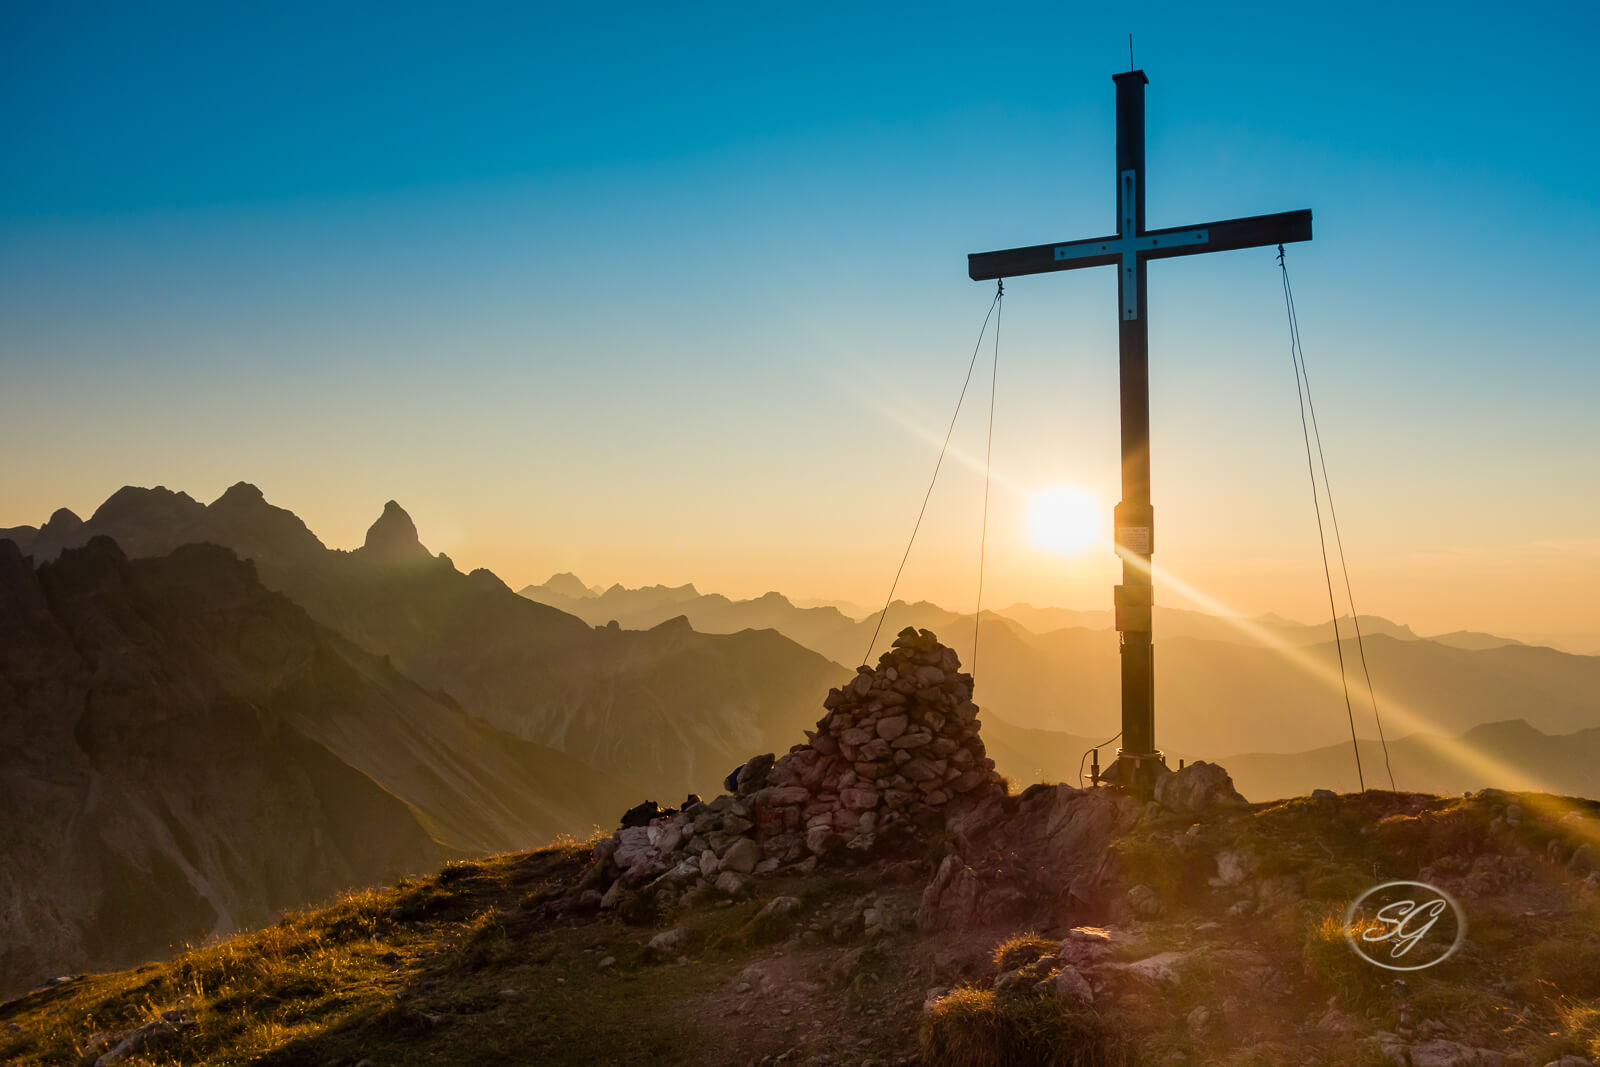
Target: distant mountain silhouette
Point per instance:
(567, 585)
(393, 540)
(1215, 697)
(1222, 684)
(1502, 755)
(667, 709)
(183, 751)
(1523, 758)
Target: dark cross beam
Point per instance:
(1130, 249)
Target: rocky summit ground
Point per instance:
(970, 925)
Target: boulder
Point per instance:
(1198, 788)
(891, 727)
(821, 840)
(670, 943)
(753, 775)
(732, 883)
(1234, 865)
(742, 856)
(1071, 986)
(1085, 946)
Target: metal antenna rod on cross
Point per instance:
(1131, 249)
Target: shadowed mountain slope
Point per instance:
(183, 751)
(669, 709)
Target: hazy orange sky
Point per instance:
(658, 301)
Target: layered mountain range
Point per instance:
(666, 708)
(1223, 685)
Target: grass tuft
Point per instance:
(1023, 949)
(971, 1027)
(1327, 956)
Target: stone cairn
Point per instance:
(898, 744)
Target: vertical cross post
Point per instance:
(1139, 762)
(1134, 519)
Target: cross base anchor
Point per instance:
(1137, 772)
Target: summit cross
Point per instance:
(1130, 249)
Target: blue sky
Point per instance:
(660, 294)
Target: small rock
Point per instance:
(670, 942)
(1442, 1053)
(1234, 865)
(152, 1036)
(1146, 904)
(820, 840)
(1337, 1022)
(732, 883)
(742, 856)
(892, 726)
(779, 906)
(609, 961)
(1162, 967)
(1070, 985)
(1085, 945)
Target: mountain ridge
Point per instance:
(671, 716)
(211, 755)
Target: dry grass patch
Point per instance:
(1023, 949)
(972, 1027)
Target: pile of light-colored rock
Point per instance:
(898, 744)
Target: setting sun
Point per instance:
(1065, 520)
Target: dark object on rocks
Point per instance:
(1199, 787)
(731, 783)
(753, 775)
(690, 801)
(646, 813)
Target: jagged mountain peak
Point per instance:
(61, 520)
(488, 579)
(240, 492)
(243, 517)
(393, 538)
(138, 503)
(568, 585)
